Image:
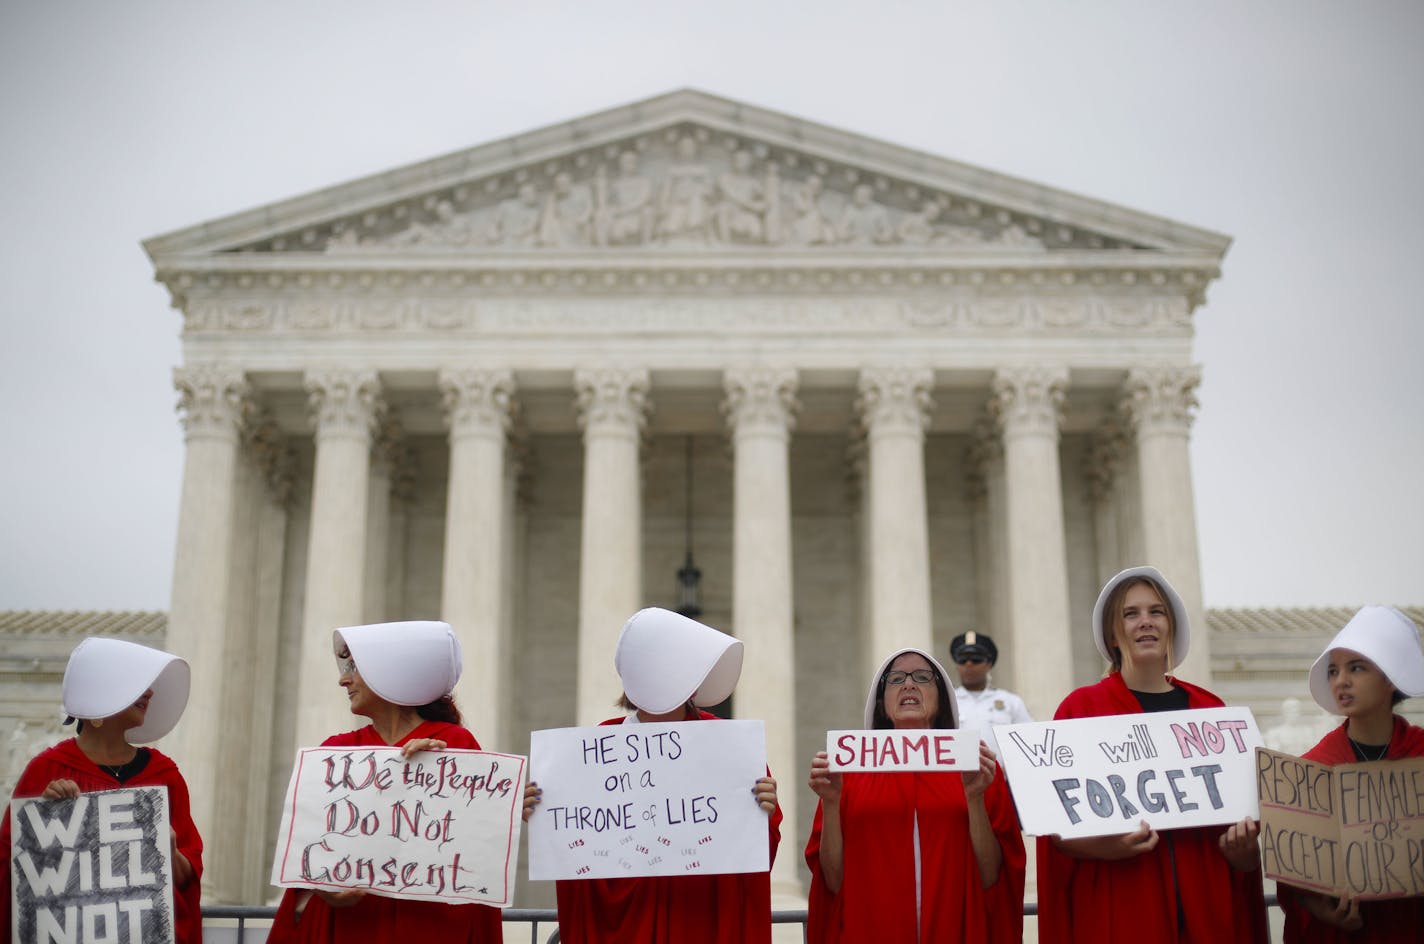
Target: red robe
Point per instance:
(671, 909)
(65, 761)
(876, 900)
(1182, 891)
(1386, 920)
(377, 919)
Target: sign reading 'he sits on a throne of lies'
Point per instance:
(437, 826)
(96, 867)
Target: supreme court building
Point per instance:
(880, 397)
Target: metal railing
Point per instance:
(530, 916)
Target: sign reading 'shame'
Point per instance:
(438, 826)
(93, 868)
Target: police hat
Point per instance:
(973, 644)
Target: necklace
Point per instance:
(1364, 755)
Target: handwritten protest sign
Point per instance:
(1356, 828)
(441, 826)
(97, 867)
(648, 799)
(885, 751)
(1100, 776)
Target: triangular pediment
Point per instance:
(685, 173)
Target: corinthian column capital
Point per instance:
(212, 400)
(760, 399)
(612, 399)
(895, 399)
(344, 403)
(1161, 399)
(477, 401)
(1029, 400)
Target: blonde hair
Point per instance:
(1112, 617)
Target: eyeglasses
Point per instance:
(921, 677)
(975, 660)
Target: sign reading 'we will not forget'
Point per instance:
(1102, 776)
(93, 868)
(648, 799)
(439, 826)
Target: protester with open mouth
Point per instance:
(1370, 666)
(1183, 886)
(399, 675)
(914, 856)
(120, 694)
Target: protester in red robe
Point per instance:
(123, 694)
(399, 675)
(669, 665)
(1179, 886)
(1370, 666)
(913, 856)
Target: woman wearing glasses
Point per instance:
(914, 856)
(1182, 886)
(399, 675)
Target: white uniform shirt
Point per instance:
(986, 709)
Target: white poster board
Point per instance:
(885, 751)
(1103, 776)
(97, 867)
(648, 799)
(441, 826)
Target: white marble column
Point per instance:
(212, 403)
(991, 556)
(760, 408)
(894, 406)
(477, 411)
(612, 405)
(345, 405)
(1160, 401)
(1026, 401)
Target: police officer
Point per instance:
(981, 706)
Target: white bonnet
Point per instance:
(1181, 626)
(1387, 638)
(410, 663)
(104, 676)
(666, 660)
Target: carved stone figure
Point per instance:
(686, 195)
(918, 229)
(567, 219)
(745, 203)
(809, 225)
(864, 222)
(1294, 734)
(625, 208)
(516, 221)
(447, 229)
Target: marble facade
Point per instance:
(922, 397)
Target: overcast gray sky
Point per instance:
(1292, 125)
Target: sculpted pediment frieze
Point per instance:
(687, 189)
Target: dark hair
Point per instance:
(1397, 697)
(441, 709)
(626, 704)
(944, 716)
(1112, 615)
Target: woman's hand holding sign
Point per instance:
(1110, 848)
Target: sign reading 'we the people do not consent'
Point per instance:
(648, 799)
(1101, 776)
(96, 867)
(439, 826)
